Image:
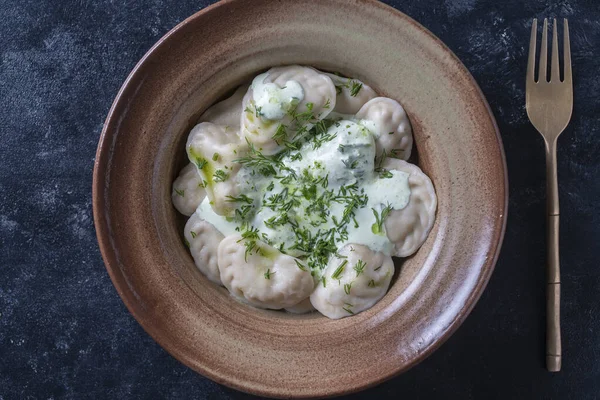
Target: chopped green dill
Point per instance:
(250, 245)
(327, 104)
(299, 264)
(280, 133)
(355, 88)
(371, 283)
(377, 227)
(390, 133)
(264, 164)
(339, 270)
(276, 200)
(271, 186)
(300, 132)
(309, 192)
(220, 176)
(292, 145)
(243, 212)
(324, 281)
(250, 233)
(379, 161)
(200, 162)
(215, 156)
(338, 89)
(318, 142)
(304, 116)
(347, 309)
(351, 165)
(268, 274)
(276, 221)
(194, 234)
(180, 192)
(187, 244)
(396, 152)
(347, 287)
(242, 198)
(385, 174)
(359, 267)
(296, 157)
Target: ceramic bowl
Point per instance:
(272, 353)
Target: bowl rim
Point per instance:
(102, 230)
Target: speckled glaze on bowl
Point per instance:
(267, 352)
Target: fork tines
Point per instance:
(543, 61)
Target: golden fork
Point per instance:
(549, 104)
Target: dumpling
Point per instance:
(352, 94)
(408, 228)
(318, 88)
(283, 104)
(213, 149)
(203, 239)
(262, 276)
(188, 190)
(353, 282)
(228, 111)
(304, 307)
(390, 125)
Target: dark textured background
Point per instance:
(64, 332)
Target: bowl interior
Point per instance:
(268, 352)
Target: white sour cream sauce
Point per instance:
(358, 146)
(272, 101)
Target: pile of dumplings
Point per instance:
(272, 279)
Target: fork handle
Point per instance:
(553, 344)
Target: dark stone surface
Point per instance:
(64, 332)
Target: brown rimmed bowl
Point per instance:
(272, 353)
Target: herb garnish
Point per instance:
(385, 174)
(347, 287)
(339, 270)
(359, 267)
(268, 274)
(377, 227)
(220, 176)
(242, 198)
(264, 164)
(200, 163)
(280, 133)
(355, 88)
